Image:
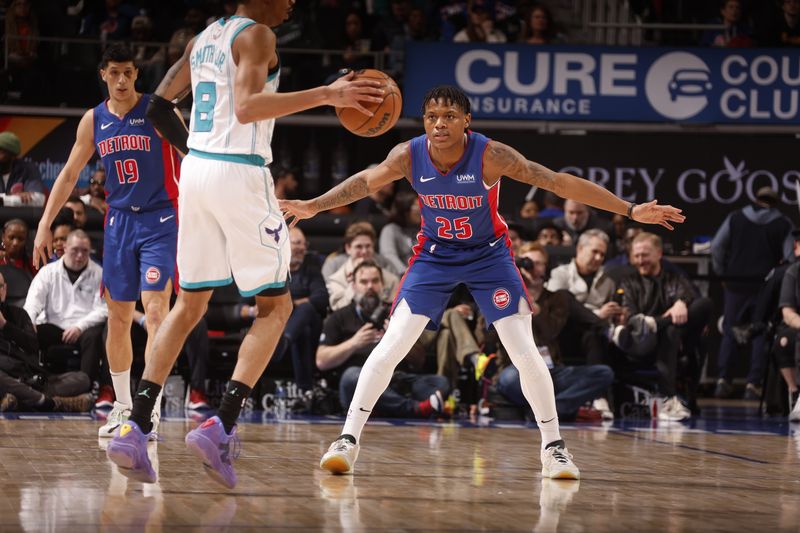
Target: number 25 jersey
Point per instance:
(457, 208)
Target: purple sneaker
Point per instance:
(216, 449)
(128, 450)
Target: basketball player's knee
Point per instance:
(277, 308)
(155, 313)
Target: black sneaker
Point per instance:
(752, 392)
(723, 389)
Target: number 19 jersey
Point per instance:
(214, 127)
(457, 208)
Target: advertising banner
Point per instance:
(523, 82)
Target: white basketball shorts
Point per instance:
(230, 227)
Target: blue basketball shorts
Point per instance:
(139, 251)
(487, 271)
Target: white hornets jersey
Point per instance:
(213, 127)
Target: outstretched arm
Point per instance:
(396, 165)
(161, 110)
(502, 160)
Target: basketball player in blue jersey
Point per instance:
(463, 239)
(141, 225)
(231, 227)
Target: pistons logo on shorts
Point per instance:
(501, 298)
(152, 275)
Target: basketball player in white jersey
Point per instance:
(230, 226)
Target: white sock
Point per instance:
(403, 331)
(516, 334)
(122, 387)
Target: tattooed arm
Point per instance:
(502, 160)
(396, 165)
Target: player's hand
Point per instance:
(344, 92)
(652, 213)
(70, 335)
(42, 246)
(296, 210)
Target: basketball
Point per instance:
(386, 112)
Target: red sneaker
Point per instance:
(588, 414)
(105, 398)
(197, 400)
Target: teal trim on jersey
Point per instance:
(239, 29)
(242, 159)
(223, 20)
(205, 284)
(278, 285)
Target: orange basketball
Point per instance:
(386, 112)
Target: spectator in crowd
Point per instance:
(748, 244)
(66, 303)
(24, 383)
(663, 318)
(150, 68)
(480, 27)
(790, 27)
(78, 209)
(61, 227)
(377, 203)
(623, 257)
(95, 197)
(112, 22)
(584, 276)
(362, 248)
(574, 386)
(14, 254)
(553, 206)
(285, 182)
(349, 335)
(517, 235)
(787, 334)
(391, 29)
(578, 218)
(529, 210)
(355, 44)
(540, 27)
(359, 245)
(735, 34)
(549, 235)
(22, 182)
(397, 237)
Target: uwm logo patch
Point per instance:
(501, 298)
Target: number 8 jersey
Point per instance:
(457, 208)
(214, 127)
(142, 169)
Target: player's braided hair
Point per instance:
(448, 93)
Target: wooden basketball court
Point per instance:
(707, 476)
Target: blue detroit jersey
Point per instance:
(142, 169)
(456, 208)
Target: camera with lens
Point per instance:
(373, 309)
(523, 263)
(378, 316)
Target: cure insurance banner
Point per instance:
(526, 82)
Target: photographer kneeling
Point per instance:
(349, 335)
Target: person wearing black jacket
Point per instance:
(24, 383)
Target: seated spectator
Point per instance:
(14, 253)
(25, 384)
(151, 70)
(398, 236)
(61, 227)
(22, 182)
(66, 303)
(517, 236)
(790, 23)
(574, 386)
(735, 34)
(480, 27)
(549, 235)
(623, 257)
(78, 209)
(349, 335)
(553, 206)
(539, 27)
(359, 245)
(95, 197)
(529, 210)
(285, 182)
(377, 203)
(584, 276)
(355, 44)
(578, 218)
(663, 315)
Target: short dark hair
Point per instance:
(448, 93)
(73, 199)
(118, 53)
(65, 217)
(367, 263)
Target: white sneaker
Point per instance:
(155, 419)
(672, 409)
(794, 416)
(601, 404)
(118, 415)
(557, 463)
(340, 457)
